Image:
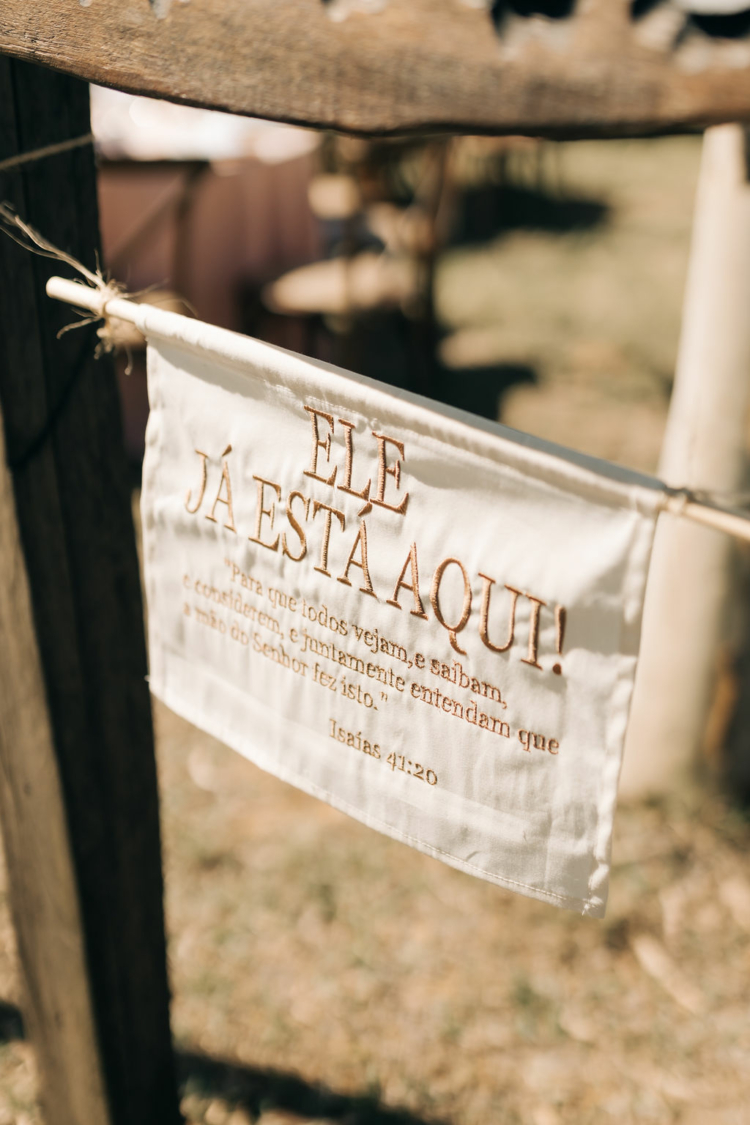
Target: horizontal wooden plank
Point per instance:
(389, 66)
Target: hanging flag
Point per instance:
(427, 620)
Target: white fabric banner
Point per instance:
(428, 620)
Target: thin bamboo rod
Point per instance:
(101, 302)
(729, 520)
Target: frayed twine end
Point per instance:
(30, 239)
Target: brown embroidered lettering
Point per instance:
(225, 479)
(318, 507)
(270, 512)
(364, 493)
(485, 613)
(536, 605)
(393, 470)
(411, 561)
(297, 527)
(453, 630)
(561, 617)
(204, 478)
(530, 740)
(361, 542)
(320, 443)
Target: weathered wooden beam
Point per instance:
(604, 67)
(92, 709)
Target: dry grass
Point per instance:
(596, 312)
(323, 972)
(305, 944)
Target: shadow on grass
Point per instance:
(488, 212)
(11, 1023)
(261, 1090)
(480, 390)
(258, 1090)
(389, 347)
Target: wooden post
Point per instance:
(60, 1017)
(704, 448)
(78, 797)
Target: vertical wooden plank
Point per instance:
(32, 814)
(64, 446)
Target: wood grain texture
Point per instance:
(413, 65)
(43, 891)
(63, 440)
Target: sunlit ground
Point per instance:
(323, 972)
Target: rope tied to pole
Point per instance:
(28, 238)
(24, 158)
(98, 291)
(99, 288)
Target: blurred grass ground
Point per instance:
(304, 943)
(323, 972)
(595, 311)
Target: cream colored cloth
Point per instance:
(427, 620)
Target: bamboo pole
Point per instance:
(704, 449)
